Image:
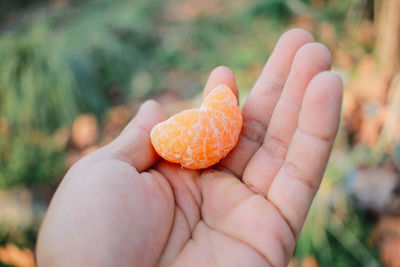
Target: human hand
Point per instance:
(124, 206)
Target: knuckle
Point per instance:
(296, 173)
(253, 130)
(275, 147)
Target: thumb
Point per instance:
(133, 145)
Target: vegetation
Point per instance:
(60, 59)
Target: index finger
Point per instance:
(220, 75)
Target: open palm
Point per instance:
(123, 206)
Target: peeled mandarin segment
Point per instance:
(204, 150)
(226, 128)
(221, 93)
(172, 137)
(199, 138)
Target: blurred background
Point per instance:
(73, 73)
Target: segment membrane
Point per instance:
(199, 138)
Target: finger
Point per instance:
(310, 60)
(220, 75)
(296, 183)
(133, 145)
(262, 99)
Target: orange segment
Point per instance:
(204, 150)
(226, 127)
(199, 138)
(172, 137)
(221, 93)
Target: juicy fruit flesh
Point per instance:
(199, 138)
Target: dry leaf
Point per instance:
(84, 131)
(12, 255)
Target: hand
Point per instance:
(123, 206)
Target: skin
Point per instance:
(124, 206)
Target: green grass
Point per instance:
(59, 66)
(30, 160)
